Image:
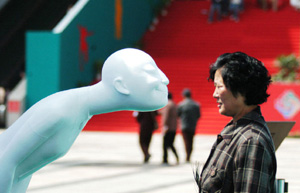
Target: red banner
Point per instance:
(283, 104)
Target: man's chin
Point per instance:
(153, 107)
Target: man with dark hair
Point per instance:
(243, 157)
(148, 124)
(189, 113)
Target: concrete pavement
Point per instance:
(112, 163)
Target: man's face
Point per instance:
(142, 85)
(228, 104)
(148, 85)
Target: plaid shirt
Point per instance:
(242, 159)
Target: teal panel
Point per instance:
(42, 65)
(67, 60)
(137, 17)
(94, 27)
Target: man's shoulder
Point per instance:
(196, 104)
(170, 105)
(189, 103)
(181, 103)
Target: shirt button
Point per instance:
(219, 139)
(213, 173)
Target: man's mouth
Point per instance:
(162, 88)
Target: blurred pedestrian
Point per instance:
(215, 6)
(189, 112)
(235, 6)
(169, 122)
(148, 124)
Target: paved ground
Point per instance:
(112, 163)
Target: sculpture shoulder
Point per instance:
(61, 105)
(60, 110)
(63, 101)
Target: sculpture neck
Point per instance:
(102, 99)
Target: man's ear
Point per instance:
(120, 86)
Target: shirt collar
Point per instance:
(254, 115)
(232, 128)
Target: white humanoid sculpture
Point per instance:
(130, 81)
(295, 4)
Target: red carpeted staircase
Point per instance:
(183, 45)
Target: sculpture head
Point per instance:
(134, 75)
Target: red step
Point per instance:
(183, 45)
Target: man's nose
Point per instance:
(164, 78)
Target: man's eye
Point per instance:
(149, 68)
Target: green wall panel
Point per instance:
(42, 65)
(62, 60)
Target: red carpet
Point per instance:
(184, 45)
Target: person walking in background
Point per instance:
(148, 124)
(235, 6)
(169, 122)
(242, 158)
(189, 111)
(215, 6)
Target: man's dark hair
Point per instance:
(243, 74)
(186, 93)
(170, 96)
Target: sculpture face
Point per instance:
(148, 88)
(138, 77)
